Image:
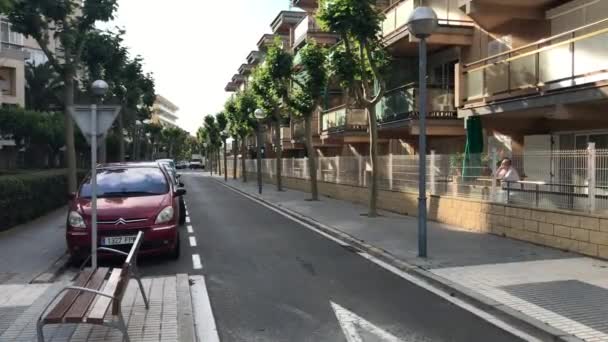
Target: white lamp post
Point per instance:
(260, 116)
(422, 23)
(94, 121)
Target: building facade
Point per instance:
(164, 112)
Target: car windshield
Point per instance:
(127, 182)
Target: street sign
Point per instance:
(94, 121)
(105, 117)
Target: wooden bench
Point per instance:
(89, 299)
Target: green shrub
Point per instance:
(26, 196)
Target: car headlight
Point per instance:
(75, 220)
(165, 215)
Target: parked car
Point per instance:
(132, 197)
(182, 164)
(176, 182)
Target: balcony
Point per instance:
(398, 114)
(307, 5)
(245, 69)
(455, 27)
(268, 39)
(344, 120)
(255, 57)
(309, 29)
(298, 130)
(285, 21)
(567, 68)
(491, 13)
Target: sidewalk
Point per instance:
(21, 304)
(562, 293)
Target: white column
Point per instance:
(591, 181)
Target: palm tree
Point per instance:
(43, 87)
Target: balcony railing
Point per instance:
(286, 134)
(399, 13)
(306, 26)
(342, 119)
(298, 129)
(569, 59)
(402, 104)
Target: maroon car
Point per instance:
(132, 197)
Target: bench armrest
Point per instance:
(75, 288)
(112, 250)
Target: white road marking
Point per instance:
(192, 241)
(196, 262)
(456, 301)
(187, 219)
(351, 323)
(204, 321)
(190, 229)
(187, 214)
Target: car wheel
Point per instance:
(174, 254)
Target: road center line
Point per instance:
(444, 295)
(190, 229)
(192, 241)
(187, 219)
(196, 262)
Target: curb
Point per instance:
(526, 323)
(50, 274)
(185, 316)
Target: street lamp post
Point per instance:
(225, 135)
(99, 89)
(422, 23)
(259, 115)
(138, 125)
(150, 148)
(207, 158)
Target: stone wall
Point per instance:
(574, 231)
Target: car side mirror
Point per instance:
(71, 196)
(180, 192)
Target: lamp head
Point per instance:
(423, 22)
(99, 88)
(259, 114)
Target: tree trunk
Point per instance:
(225, 162)
(279, 152)
(121, 140)
(243, 163)
(70, 149)
(373, 153)
(235, 145)
(312, 158)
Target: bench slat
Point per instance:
(56, 314)
(84, 300)
(102, 304)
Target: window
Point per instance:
(128, 182)
(8, 36)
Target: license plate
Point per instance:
(118, 240)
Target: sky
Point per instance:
(193, 47)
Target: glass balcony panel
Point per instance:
(591, 55)
(555, 64)
(474, 84)
(523, 72)
(357, 117)
(497, 79)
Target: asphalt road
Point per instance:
(271, 279)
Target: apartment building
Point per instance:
(164, 112)
(536, 76)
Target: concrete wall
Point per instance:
(573, 231)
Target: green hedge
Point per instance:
(26, 196)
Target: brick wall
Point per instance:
(574, 231)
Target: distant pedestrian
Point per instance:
(506, 172)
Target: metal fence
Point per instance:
(574, 180)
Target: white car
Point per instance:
(195, 164)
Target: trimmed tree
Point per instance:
(359, 62)
(245, 105)
(271, 86)
(69, 22)
(309, 84)
(222, 124)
